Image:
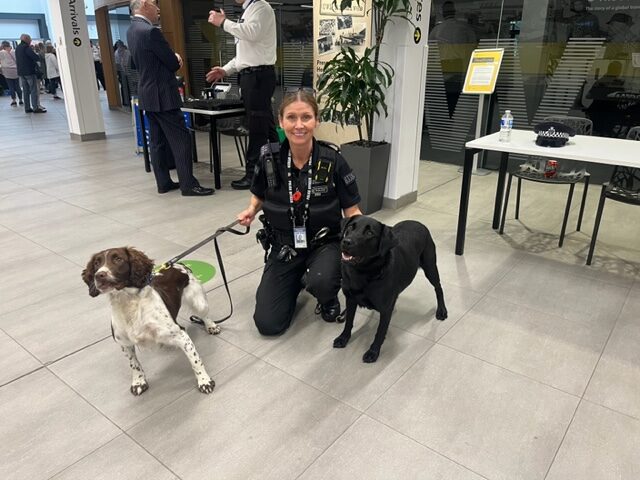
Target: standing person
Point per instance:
(255, 36)
(159, 98)
(302, 186)
(44, 81)
(53, 73)
(122, 58)
(26, 60)
(10, 71)
(97, 64)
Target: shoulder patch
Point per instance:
(349, 178)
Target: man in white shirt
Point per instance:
(255, 36)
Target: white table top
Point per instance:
(213, 113)
(609, 151)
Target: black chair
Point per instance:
(569, 172)
(234, 127)
(624, 187)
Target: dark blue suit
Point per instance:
(159, 97)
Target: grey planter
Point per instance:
(370, 166)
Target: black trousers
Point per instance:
(257, 89)
(281, 283)
(169, 135)
(99, 74)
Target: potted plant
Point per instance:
(352, 91)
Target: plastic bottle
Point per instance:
(506, 124)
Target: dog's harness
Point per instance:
(214, 237)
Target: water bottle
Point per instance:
(506, 124)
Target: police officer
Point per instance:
(304, 188)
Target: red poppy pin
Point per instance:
(296, 196)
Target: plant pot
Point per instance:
(370, 164)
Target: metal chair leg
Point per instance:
(236, 140)
(596, 225)
(566, 214)
(505, 203)
(518, 198)
(584, 200)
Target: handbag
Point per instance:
(38, 71)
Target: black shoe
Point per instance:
(21, 102)
(28, 110)
(197, 192)
(330, 310)
(243, 184)
(172, 186)
(14, 104)
(40, 110)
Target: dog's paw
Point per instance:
(213, 329)
(207, 387)
(441, 313)
(139, 388)
(341, 341)
(370, 356)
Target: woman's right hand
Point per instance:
(246, 216)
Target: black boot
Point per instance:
(243, 184)
(329, 311)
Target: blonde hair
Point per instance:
(299, 96)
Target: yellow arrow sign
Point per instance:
(417, 35)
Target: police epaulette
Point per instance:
(269, 148)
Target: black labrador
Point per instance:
(378, 263)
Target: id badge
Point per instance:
(299, 237)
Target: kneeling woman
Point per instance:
(304, 188)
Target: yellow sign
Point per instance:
(482, 72)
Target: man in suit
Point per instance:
(159, 98)
(255, 37)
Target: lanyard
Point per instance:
(308, 196)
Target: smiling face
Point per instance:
(299, 121)
(361, 237)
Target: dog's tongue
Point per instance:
(346, 258)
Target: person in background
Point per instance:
(26, 60)
(97, 63)
(158, 95)
(304, 188)
(10, 71)
(122, 58)
(53, 72)
(44, 81)
(583, 24)
(255, 36)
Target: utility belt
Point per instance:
(269, 238)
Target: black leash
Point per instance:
(214, 237)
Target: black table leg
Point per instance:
(194, 147)
(502, 173)
(464, 198)
(215, 152)
(145, 146)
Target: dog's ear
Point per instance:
(387, 240)
(346, 221)
(88, 275)
(141, 267)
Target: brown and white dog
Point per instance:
(144, 307)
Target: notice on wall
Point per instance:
(482, 72)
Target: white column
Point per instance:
(77, 72)
(405, 49)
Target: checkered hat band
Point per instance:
(553, 133)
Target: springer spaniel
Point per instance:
(144, 307)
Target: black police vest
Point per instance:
(324, 204)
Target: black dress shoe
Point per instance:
(172, 186)
(39, 110)
(243, 184)
(330, 310)
(197, 192)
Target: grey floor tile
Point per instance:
(616, 381)
(600, 445)
(307, 353)
(16, 247)
(46, 426)
(101, 374)
(556, 351)
(552, 290)
(15, 360)
(42, 216)
(7, 187)
(120, 459)
(260, 423)
(372, 450)
(494, 422)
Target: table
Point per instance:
(602, 150)
(214, 153)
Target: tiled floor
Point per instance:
(534, 375)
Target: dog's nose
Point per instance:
(347, 242)
(101, 275)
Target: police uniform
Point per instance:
(287, 200)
